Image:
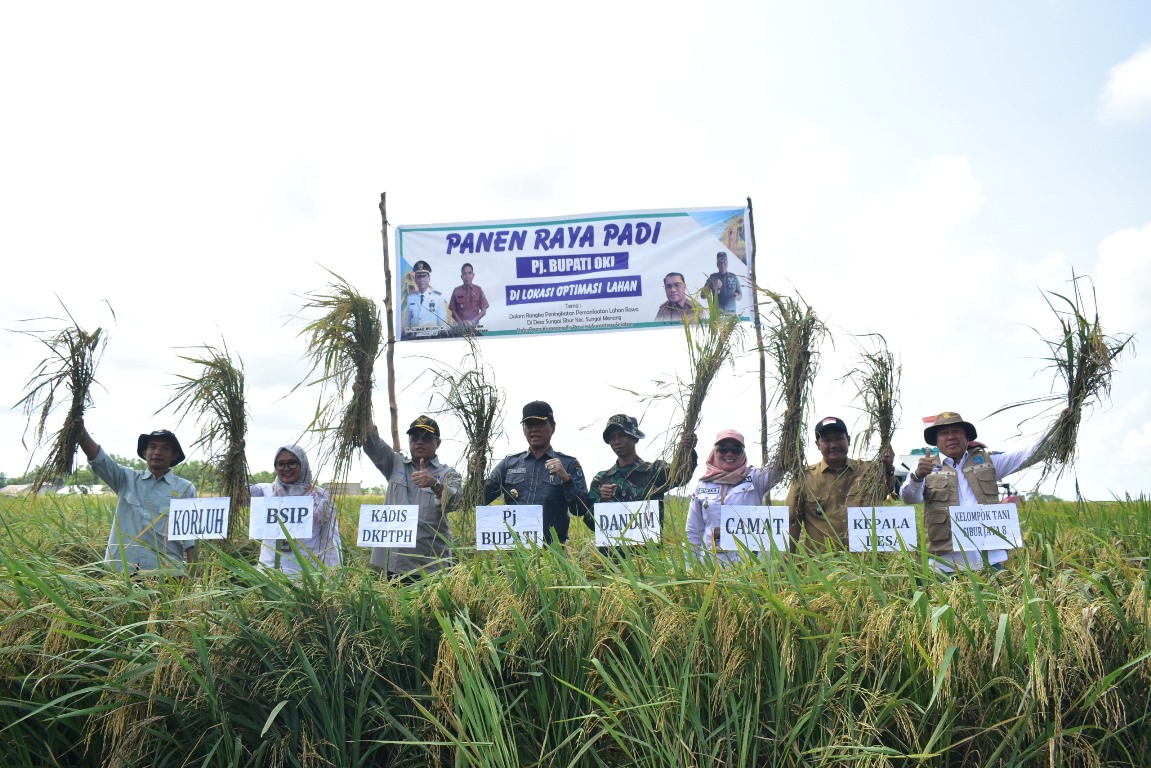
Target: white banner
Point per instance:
(594, 272)
(754, 527)
(985, 526)
(626, 523)
(388, 526)
(509, 527)
(190, 519)
(881, 529)
(269, 512)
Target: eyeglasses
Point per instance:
(732, 449)
(287, 464)
(421, 437)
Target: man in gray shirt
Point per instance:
(138, 540)
(424, 481)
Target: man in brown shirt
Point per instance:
(469, 305)
(819, 500)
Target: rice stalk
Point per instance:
(343, 345)
(794, 333)
(68, 371)
(876, 378)
(709, 345)
(215, 398)
(467, 392)
(1083, 359)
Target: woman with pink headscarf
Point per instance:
(727, 480)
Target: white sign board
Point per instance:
(755, 528)
(269, 513)
(626, 523)
(190, 519)
(509, 527)
(985, 526)
(881, 529)
(388, 526)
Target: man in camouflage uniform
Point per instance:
(631, 478)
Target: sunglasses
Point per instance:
(733, 449)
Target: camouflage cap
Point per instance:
(629, 425)
(425, 424)
(945, 419)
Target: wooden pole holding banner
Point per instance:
(758, 321)
(393, 409)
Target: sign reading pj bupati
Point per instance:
(595, 272)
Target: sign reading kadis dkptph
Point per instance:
(274, 516)
(590, 272)
(198, 518)
(388, 526)
(509, 527)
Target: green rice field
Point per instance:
(533, 658)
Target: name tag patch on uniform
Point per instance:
(978, 459)
(518, 471)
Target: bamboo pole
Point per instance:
(758, 321)
(393, 409)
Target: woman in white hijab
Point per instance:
(294, 478)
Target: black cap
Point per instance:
(628, 424)
(537, 410)
(830, 424)
(421, 266)
(160, 434)
(425, 424)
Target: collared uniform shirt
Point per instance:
(433, 532)
(521, 478)
(425, 309)
(467, 302)
(819, 502)
(703, 516)
(139, 535)
(639, 481)
(1005, 463)
(669, 312)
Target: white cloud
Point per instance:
(1122, 276)
(1126, 97)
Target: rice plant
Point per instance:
(876, 378)
(1083, 359)
(68, 372)
(794, 334)
(214, 396)
(343, 345)
(468, 394)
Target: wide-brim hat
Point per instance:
(160, 434)
(629, 425)
(946, 419)
(425, 424)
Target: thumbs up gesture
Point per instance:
(422, 478)
(925, 466)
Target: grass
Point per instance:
(530, 658)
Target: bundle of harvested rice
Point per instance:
(876, 378)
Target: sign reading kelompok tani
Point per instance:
(595, 272)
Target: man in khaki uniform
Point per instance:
(819, 500)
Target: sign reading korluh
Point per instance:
(595, 272)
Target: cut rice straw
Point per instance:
(1083, 358)
(343, 345)
(215, 398)
(794, 334)
(876, 377)
(71, 366)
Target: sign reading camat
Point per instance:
(881, 529)
(190, 519)
(509, 527)
(754, 528)
(388, 526)
(626, 523)
(985, 526)
(274, 516)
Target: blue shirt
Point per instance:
(139, 535)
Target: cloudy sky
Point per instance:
(919, 170)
